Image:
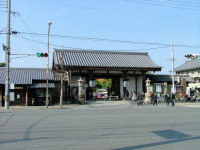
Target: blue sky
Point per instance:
(150, 21)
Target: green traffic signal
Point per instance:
(42, 55)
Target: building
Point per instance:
(127, 70)
(162, 84)
(121, 67)
(190, 68)
(25, 84)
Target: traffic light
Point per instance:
(42, 55)
(192, 56)
(188, 56)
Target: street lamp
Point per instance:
(47, 88)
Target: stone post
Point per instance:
(148, 94)
(165, 88)
(81, 97)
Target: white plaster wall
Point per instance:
(139, 83)
(74, 80)
(132, 85)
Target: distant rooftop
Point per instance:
(189, 65)
(25, 75)
(161, 78)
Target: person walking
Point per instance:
(167, 99)
(155, 99)
(173, 97)
(126, 95)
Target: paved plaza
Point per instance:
(101, 126)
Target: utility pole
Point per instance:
(61, 80)
(47, 86)
(173, 87)
(7, 59)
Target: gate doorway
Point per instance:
(104, 89)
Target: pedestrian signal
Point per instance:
(42, 55)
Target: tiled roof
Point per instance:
(25, 75)
(156, 78)
(189, 65)
(104, 59)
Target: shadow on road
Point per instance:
(172, 136)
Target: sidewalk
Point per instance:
(69, 106)
(93, 104)
(196, 105)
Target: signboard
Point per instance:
(19, 88)
(91, 83)
(158, 88)
(151, 89)
(12, 86)
(18, 96)
(12, 96)
(126, 83)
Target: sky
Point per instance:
(114, 25)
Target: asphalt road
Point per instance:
(100, 126)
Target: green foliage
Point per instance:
(107, 84)
(102, 84)
(97, 84)
(2, 64)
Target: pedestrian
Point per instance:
(133, 97)
(173, 97)
(140, 98)
(167, 99)
(126, 95)
(155, 99)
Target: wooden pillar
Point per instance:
(68, 86)
(26, 101)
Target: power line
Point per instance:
(94, 49)
(159, 4)
(27, 29)
(30, 46)
(94, 39)
(175, 3)
(108, 40)
(184, 2)
(19, 57)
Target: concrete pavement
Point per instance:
(100, 125)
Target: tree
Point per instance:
(107, 84)
(97, 85)
(103, 83)
(2, 64)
